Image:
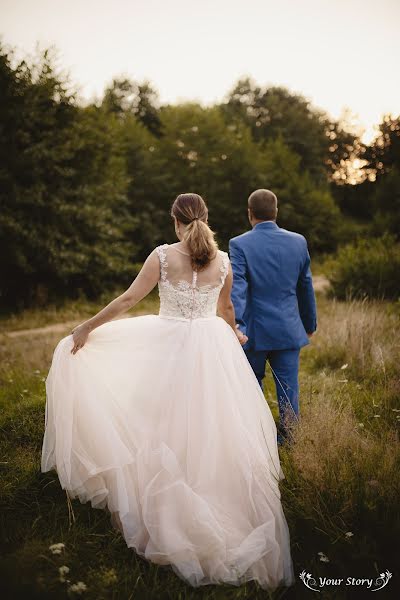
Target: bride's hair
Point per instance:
(191, 210)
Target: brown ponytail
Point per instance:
(191, 210)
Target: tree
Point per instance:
(126, 97)
(62, 181)
(384, 153)
(303, 207)
(323, 144)
(383, 170)
(201, 153)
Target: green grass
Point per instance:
(68, 310)
(342, 469)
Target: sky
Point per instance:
(342, 55)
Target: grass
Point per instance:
(342, 469)
(68, 310)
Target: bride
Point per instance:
(161, 420)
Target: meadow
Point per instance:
(340, 493)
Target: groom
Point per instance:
(274, 300)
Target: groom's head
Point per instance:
(262, 206)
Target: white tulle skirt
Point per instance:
(162, 421)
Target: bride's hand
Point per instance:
(241, 336)
(79, 335)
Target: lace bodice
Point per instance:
(181, 297)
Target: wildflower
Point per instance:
(63, 571)
(109, 576)
(343, 367)
(343, 380)
(24, 391)
(349, 534)
(56, 548)
(377, 415)
(361, 425)
(78, 587)
(323, 557)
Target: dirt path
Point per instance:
(66, 326)
(321, 284)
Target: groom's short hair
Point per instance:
(263, 204)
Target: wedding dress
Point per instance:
(160, 419)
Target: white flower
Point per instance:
(343, 367)
(377, 415)
(56, 548)
(78, 587)
(349, 534)
(361, 425)
(323, 557)
(63, 571)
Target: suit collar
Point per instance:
(266, 225)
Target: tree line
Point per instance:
(86, 189)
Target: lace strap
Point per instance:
(224, 266)
(161, 251)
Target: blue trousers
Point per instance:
(285, 371)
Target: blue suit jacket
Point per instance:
(272, 292)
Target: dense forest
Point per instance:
(86, 189)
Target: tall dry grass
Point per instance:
(342, 465)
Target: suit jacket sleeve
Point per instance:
(306, 296)
(240, 283)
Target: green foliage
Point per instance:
(199, 153)
(303, 206)
(85, 191)
(369, 267)
(384, 153)
(321, 143)
(387, 202)
(63, 189)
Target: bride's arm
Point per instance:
(140, 287)
(225, 307)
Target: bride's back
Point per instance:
(187, 293)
